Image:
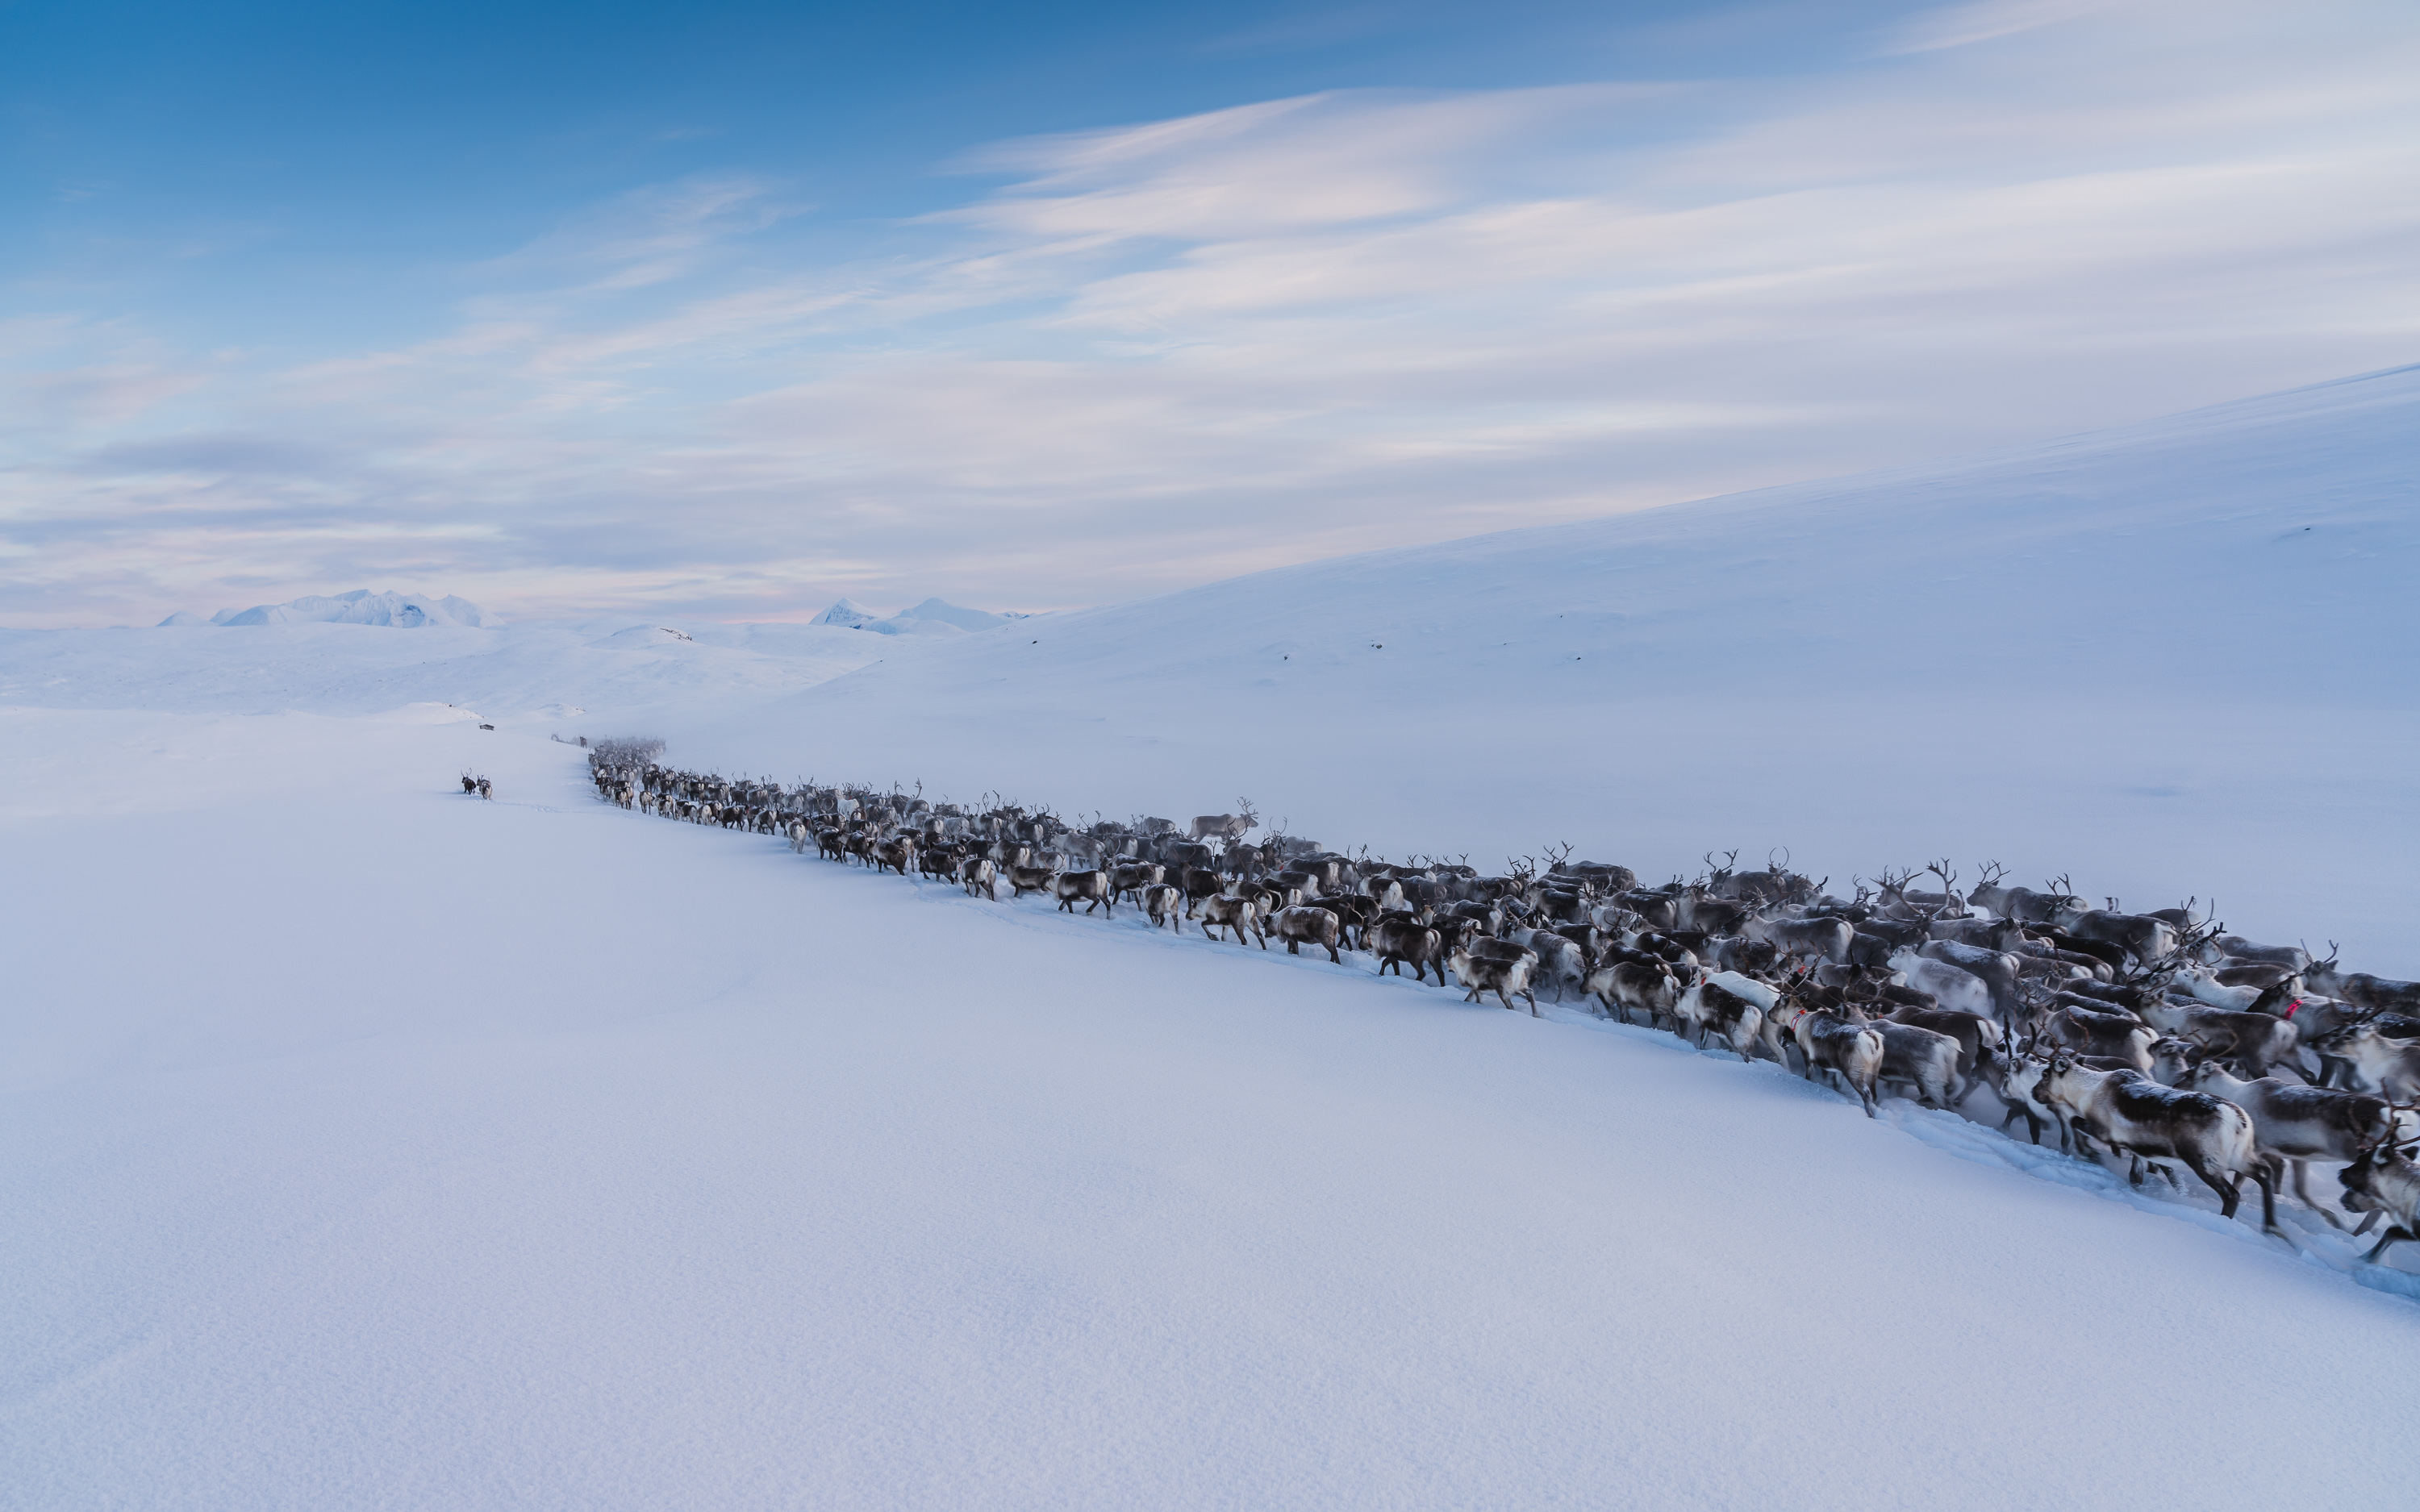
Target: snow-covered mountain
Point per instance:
(847, 615)
(360, 607)
(938, 616)
(933, 617)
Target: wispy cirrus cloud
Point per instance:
(1984, 21)
(1187, 347)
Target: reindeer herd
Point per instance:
(2157, 1037)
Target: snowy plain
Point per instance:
(375, 1147)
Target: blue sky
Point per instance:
(730, 310)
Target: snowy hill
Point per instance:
(847, 615)
(360, 607)
(2172, 659)
(933, 617)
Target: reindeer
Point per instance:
(1997, 970)
(1133, 876)
(2256, 1040)
(1728, 1005)
(1221, 911)
(1165, 905)
(1810, 939)
(1945, 903)
(894, 856)
(2385, 1066)
(2017, 1077)
(2389, 1185)
(1848, 1051)
(486, 789)
(1354, 913)
(1301, 925)
(1224, 827)
(2361, 989)
(2137, 1117)
(2292, 1126)
(1090, 888)
(2119, 1037)
(1399, 940)
(1482, 973)
(1923, 1059)
(1199, 883)
(1561, 962)
(978, 872)
(1636, 979)
(2218, 949)
(2203, 985)
(1950, 985)
(1975, 1034)
(469, 784)
(2140, 935)
(2023, 904)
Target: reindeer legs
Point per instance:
(2301, 1171)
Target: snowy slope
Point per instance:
(2172, 659)
(374, 1147)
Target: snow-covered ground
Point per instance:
(370, 1145)
(375, 1147)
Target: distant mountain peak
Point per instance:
(360, 607)
(934, 616)
(847, 615)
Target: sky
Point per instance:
(730, 310)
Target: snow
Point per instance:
(847, 615)
(427, 1152)
(360, 607)
(933, 617)
(520, 675)
(936, 615)
(370, 1145)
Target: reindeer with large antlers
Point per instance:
(1225, 828)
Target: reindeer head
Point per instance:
(2359, 1195)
